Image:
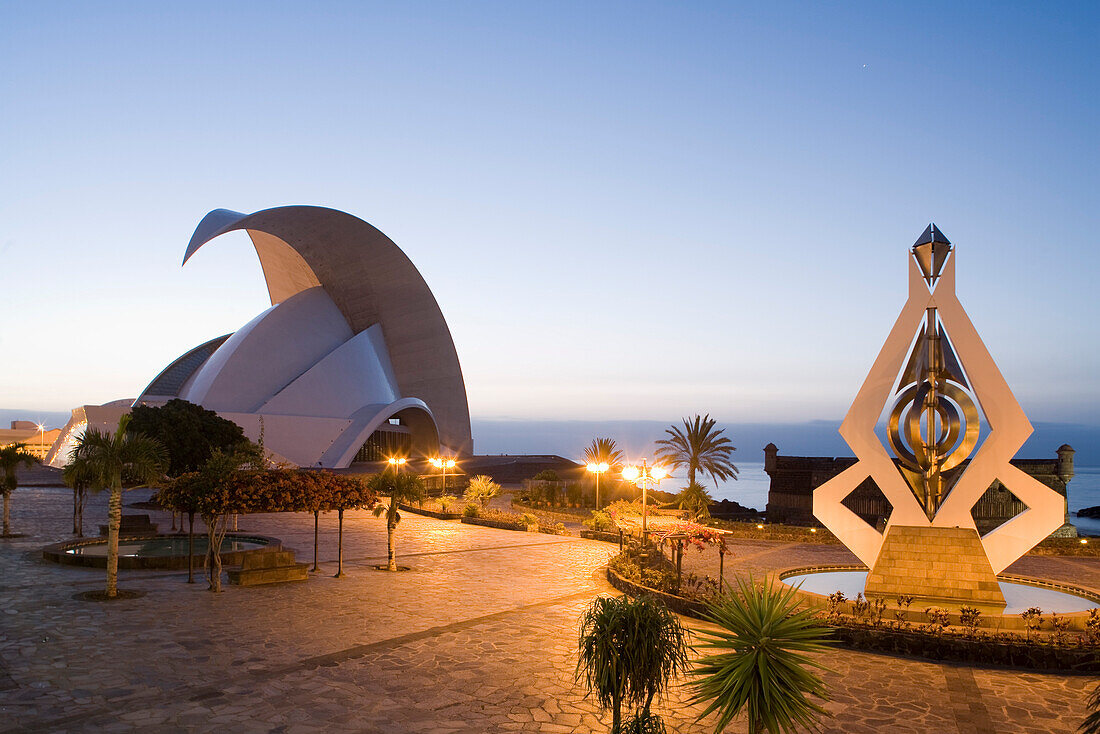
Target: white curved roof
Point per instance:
(370, 282)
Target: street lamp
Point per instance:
(443, 465)
(598, 469)
(642, 477)
(42, 440)
(398, 462)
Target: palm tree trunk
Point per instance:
(390, 527)
(114, 519)
(316, 526)
(78, 529)
(7, 517)
(616, 712)
(74, 509)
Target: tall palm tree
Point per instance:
(107, 459)
(402, 488)
(79, 476)
(12, 456)
(604, 450)
(700, 447)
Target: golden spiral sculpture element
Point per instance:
(921, 453)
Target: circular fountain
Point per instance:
(156, 552)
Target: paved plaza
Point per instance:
(478, 637)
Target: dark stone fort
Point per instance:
(794, 478)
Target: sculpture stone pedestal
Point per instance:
(937, 566)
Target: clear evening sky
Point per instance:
(625, 210)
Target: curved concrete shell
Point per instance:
(354, 341)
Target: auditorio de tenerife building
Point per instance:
(353, 361)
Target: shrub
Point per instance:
(654, 572)
(447, 503)
(1033, 620)
(938, 619)
(481, 489)
(528, 519)
(547, 475)
(629, 652)
(760, 660)
(836, 605)
(599, 521)
(970, 618)
(1059, 625)
(902, 612)
(471, 510)
(1092, 627)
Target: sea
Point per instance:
(751, 490)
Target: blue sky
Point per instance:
(625, 210)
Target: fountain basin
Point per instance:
(166, 552)
(1020, 592)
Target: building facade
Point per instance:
(794, 479)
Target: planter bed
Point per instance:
(430, 513)
(502, 525)
(916, 643)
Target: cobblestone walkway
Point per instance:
(478, 637)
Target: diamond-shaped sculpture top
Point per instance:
(931, 250)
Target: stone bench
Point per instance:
(268, 567)
(133, 526)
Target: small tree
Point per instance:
(761, 659)
(11, 456)
(190, 433)
(402, 489)
(481, 489)
(107, 459)
(630, 650)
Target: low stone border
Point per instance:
(430, 513)
(601, 535)
(914, 642)
(502, 525)
(676, 603)
(56, 553)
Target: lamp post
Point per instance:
(443, 465)
(598, 469)
(642, 477)
(42, 440)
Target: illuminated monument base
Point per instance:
(936, 566)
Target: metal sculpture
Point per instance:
(934, 426)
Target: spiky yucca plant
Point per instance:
(1091, 724)
(630, 650)
(760, 661)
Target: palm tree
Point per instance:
(630, 650)
(481, 489)
(701, 448)
(78, 476)
(761, 660)
(696, 500)
(604, 450)
(402, 488)
(107, 458)
(11, 456)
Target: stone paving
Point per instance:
(478, 637)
